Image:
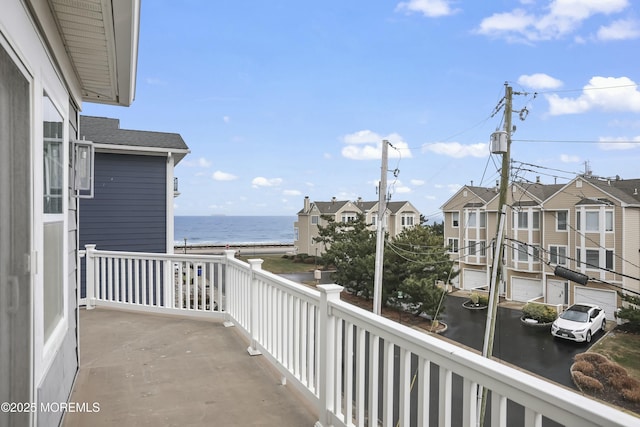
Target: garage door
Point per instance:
(602, 297)
(472, 279)
(524, 290)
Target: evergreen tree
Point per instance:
(631, 312)
(350, 249)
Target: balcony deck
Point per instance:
(147, 370)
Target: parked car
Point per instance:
(579, 322)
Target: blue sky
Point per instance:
(282, 99)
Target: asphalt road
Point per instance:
(526, 347)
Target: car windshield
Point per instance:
(575, 316)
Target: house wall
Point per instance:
(51, 357)
(128, 211)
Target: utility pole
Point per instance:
(380, 229)
(496, 276)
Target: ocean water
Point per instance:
(224, 230)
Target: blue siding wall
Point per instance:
(128, 211)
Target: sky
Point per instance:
(282, 99)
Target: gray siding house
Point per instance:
(132, 205)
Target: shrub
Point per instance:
(612, 370)
(593, 358)
(632, 395)
(584, 367)
(479, 299)
(540, 312)
(623, 382)
(586, 382)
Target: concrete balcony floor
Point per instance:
(152, 370)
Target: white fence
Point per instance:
(359, 369)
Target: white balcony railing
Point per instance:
(357, 368)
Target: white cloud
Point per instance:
(622, 29)
(568, 158)
(204, 163)
(261, 181)
(223, 176)
(291, 193)
(560, 18)
(603, 93)
(457, 150)
(367, 145)
(539, 81)
(621, 143)
(417, 182)
(429, 8)
(226, 119)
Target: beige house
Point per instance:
(590, 225)
(399, 215)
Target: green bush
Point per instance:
(540, 312)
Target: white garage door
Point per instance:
(525, 289)
(472, 279)
(602, 297)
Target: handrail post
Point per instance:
(90, 276)
(229, 291)
(169, 284)
(255, 265)
(326, 353)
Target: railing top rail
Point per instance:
(153, 255)
(291, 286)
(488, 372)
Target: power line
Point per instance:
(579, 141)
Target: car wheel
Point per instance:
(588, 338)
(604, 325)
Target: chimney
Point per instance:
(472, 183)
(333, 199)
(307, 204)
(538, 179)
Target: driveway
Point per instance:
(526, 347)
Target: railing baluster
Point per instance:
(374, 369)
(348, 374)
(360, 376)
(498, 410)
(444, 397)
(469, 403)
(404, 415)
(387, 401)
(424, 378)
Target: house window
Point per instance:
(592, 222)
(521, 253)
(407, 220)
(374, 218)
(471, 219)
(578, 221)
(609, 260)
(296, 234)
(315, 219)
(608, 221)
(561, 221)
(455, 219)
(53, 184)
(348, 217)
(453, 245)
(483, 248)
(523, 220)
(471, 248)
(536, 220)
(483, 219)
(593, 258)
(558, 255)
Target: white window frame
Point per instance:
(46, 348)
(471, 247)
(315, 219)
(589, 225)
(348, 217)
(566, 220)
(472, 219)
(560, 259)
(483, 219)
(609, 221)
(455, 219)
(453, 245)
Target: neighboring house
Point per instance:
(590, 225)
(399, 215)
(53, 57)
(132, 206)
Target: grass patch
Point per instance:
(623, 348)
(278, 264)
